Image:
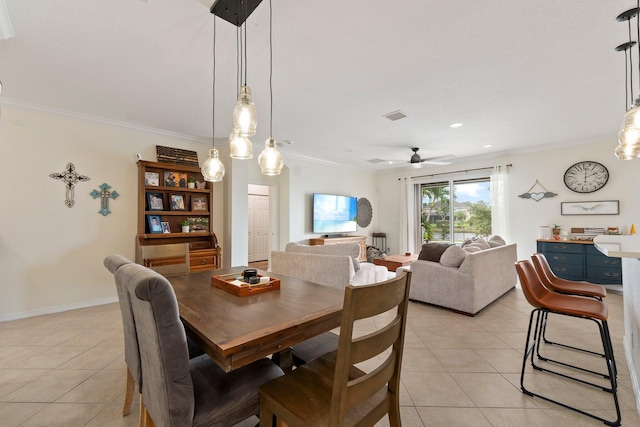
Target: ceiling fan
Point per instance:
(416, 160)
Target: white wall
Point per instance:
(548, 167)
(308, 177)
(51, 255)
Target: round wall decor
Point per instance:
(364, 212)
(586, 177)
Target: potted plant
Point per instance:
(185, 226)
(191, 182)
(556, 229)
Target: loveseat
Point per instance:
(465, 279)
(331, 265)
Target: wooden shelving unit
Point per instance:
(204, 251)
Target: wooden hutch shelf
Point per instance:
(173, 205)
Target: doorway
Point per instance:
(259, 224)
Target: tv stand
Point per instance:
(335, 240)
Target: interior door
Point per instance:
(258, 227)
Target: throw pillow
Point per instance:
(433, 251)
(495, 241)
(471, 248)
(453, 256)
(483, 244)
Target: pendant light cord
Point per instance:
(638, 42)
(271, 70)
(213, 102)
(631, 62)
(238, 65)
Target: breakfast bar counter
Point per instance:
(628, 249)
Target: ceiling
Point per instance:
(516, 74)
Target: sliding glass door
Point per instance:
(455, 210)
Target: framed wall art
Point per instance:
(605, 207)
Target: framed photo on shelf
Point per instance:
(165, 227)
(154, 222)
(605, 207)
(176, 202)
(175, 179)
(199, 203)
(155, 201)
(152, 178)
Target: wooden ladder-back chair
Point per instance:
(545, 301)
(330, 390)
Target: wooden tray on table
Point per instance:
(230, 284)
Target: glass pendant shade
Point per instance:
(240, 147)
(212, 168)
(270, 160)
(244, 114)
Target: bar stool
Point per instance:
(545, 301)
(566, 287)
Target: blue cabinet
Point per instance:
(581, 261)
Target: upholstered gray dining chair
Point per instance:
(124, 271)
(131, 354)
(179, 391)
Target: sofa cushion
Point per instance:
(453, 256)
(351, 249)
(495, 241)
(433, 251)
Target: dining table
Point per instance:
(238, 330)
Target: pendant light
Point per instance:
(629, 135)
(270, 160)
(244, 112)
(212, 168)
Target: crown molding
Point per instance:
(87, 117)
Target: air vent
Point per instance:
(375, 161)
(395, 115)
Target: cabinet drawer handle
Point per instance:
(559, 247)
(611, 261)
(560, 258)
(561, 269)
(611, 274)
(203, 262)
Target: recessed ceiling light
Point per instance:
(455, 125)
(486, 146)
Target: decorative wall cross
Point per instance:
(70, 177)
(105, 195)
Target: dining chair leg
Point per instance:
(128, 396)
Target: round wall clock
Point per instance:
(586, 177)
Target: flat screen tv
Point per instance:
(333, 214)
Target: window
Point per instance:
(455, 210)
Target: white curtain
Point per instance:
(410, 202)
(499, 201)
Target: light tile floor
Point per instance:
(67, 369)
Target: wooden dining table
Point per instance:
(235, 331)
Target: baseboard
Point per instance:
(56, 309)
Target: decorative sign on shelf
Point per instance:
(105, 194)
(537, 195)
(70, 177)
(176, 156)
